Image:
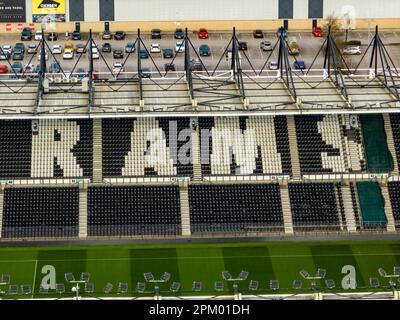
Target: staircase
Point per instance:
(82, 212)
(286, 209)
(348, 209)
(1, 209)
(390, 227)
(390, 143)
(185, 217)
(294, 153)
(97, 151)
(196, 159)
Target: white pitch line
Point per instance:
(214, 257)
(34, 278)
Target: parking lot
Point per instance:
(308, 44)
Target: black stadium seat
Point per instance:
(235, 208)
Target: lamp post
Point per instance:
(69, 277)
(319, 275)
(392, 282)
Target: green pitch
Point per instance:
(204, 263)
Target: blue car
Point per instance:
(299, 65)
(143, 54)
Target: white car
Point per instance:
(155, 48)
(180, 46)
(273, 65)
(352, 50)
(7, 49)
(266, 46)
(38, 35)
(46, 56)
(68, 55)
(57, 49)
(118, 68)
(95, 53)
(32, 48)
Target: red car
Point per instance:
(317, 32)
(203, 33)
(3, 69)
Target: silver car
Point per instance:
(352, 50)
(266, 46)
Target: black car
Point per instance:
(18, 54)
(52, 36)
(119, 35)
(204, 50)
(258, 34)
(118, 54)
(169, 67)
(145, 73)
(196, 65)
(179, 34)
(156, 34)
(76, 35)
(168, 53)
(242, 45)
(26, 34)
(106, 47)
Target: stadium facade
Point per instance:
(192, 13)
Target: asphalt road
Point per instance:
(309, 47)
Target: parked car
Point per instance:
(145, 73)
(155, 48)
(46, 56)
(69, 46)
(258, 34)
(76, 35)
(293, 46)
(16, 67)
(32, 48)
(299, 65)
(266, 46)
(3, 69)
(130, 47)
(118, 54)
(179, 34)
(156, 34)
(106, 35)
(52, 36)
(19, 46)
(4, 55)
(204, 50)
(18, 54)
(118, 68)
(68, 55)
(38, 35)
(26, 34)
(54, 68)
(106, 47)
(317, 32)
(80, 48)
(95, 53)
(352, 50)
(180, 46)
(196, 65)
(169, 67)
(242, 45)
(57, 49)
(119, 35)
(203, 33)
(143, 54)
(7, 49)
(80, 74)
(168, 53)
(273, 65)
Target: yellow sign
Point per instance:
(45, 7)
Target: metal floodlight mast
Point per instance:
(42, 72)
(139, 67)
(188, 65)
(91, 69)
(380, 55)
